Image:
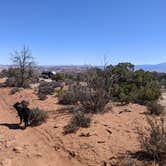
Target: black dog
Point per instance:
(23, 112)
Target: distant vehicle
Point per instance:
(48, 74)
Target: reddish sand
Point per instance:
(111, 134)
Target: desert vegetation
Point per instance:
(38, 116)
(78, 120)
(161, 77)
(120, 83)
(153, 145)
(47, 88)
(90, 94)
(22, 74)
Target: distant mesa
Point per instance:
(76, 68)
(157, 67)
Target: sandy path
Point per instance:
(32, 146)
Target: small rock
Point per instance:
(72, 154)
(100, 142)
(56, 147)
(109, 131)
(18, 149)
(55, 126)
(85, 135)
(38, 155)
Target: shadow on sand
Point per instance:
(12, 126)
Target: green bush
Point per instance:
(134, 86)
(59, 76)
(63, 77)
(38, 116)
(78, 120)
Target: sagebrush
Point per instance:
(154, 144)
(78, 120)
(38, 116)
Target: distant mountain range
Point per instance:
(76, 68)
(157, 67)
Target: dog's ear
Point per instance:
(16, 105)
(25, 103)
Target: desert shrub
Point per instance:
(121, 83)
(59, 92)
(46, 88)
(78, 120)
(92, 101)
(69, 97)
(161, 77)
(134, 86)
(155, 108)
(118, 83)
(14, 78)
(59, 76)
(42, 96)
(3, 73)
(63, 76)
(129, 161)
(14, 90)
(57, 84)
(70, 128)
(96, 93)
(69, 82)
(155, 143)
(38, 116)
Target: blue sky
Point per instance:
(78, 32)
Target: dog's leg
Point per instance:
(29, 121)
(26, 123)
(21, 120)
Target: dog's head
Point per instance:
(21, 105)
(17, 105)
